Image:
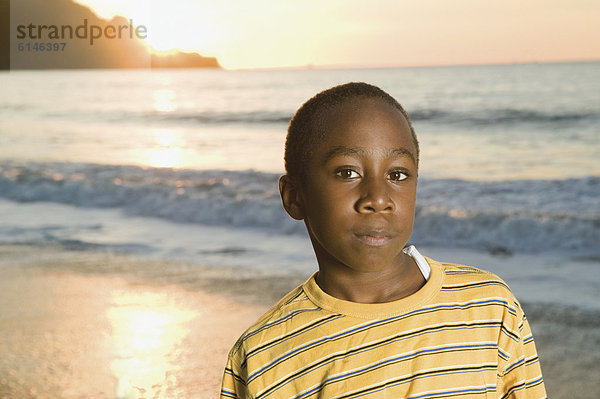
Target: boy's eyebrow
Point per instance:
(362, 151)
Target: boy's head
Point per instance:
(352, 160)
(307, 127)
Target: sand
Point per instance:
(81, 324)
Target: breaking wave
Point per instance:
(507, 216)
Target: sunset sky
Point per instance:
(273, 34)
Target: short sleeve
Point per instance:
(521, 376)
(234, 383)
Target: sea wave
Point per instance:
(503, 217)
(217, 117)
(467, 118)
(504, 117)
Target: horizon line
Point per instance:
(383, 66)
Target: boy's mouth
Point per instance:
(374, 238)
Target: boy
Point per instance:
(377, 320)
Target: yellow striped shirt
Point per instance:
(462, 334)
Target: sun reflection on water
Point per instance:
(167, 150)
(164, 100)
(148, 334)
(164, 157)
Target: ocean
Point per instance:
(183, 164)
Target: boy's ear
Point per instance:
(291, 197)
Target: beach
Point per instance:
(72, 330)
(97, 324)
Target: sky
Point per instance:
(246, 34)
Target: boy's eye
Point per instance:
(397, 175)
(347, 174)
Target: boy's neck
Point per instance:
(390, 284)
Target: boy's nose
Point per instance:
(375, 198)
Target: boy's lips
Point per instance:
(374, 238)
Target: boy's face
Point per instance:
(358, 199)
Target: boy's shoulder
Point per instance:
(293, 307)
(458, 275)
(472, 282)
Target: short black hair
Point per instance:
(306, 126)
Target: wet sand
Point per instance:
(81, 324)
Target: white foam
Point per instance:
(42, 223)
